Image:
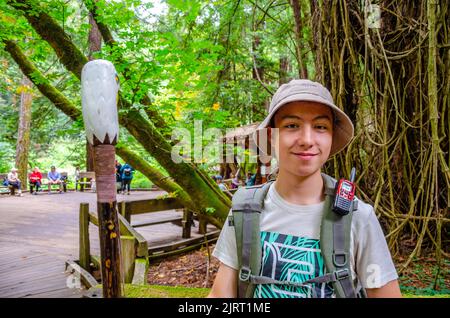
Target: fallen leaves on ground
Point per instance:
(189, 270)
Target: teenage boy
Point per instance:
(305, 129)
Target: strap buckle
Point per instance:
(341, 274)
(244, 274)
(340, 259)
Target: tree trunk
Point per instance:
(95, 45)
(283, 72)
(23, 134)
(94, 37)
(378, 73)
(89, 156)
(298, 30)
(258, 69)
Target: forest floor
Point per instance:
(194, 269)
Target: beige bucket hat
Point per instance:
(306, 90)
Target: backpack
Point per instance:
(247, 204)
(127, 172)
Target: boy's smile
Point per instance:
(305, 135)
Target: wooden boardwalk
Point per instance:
(39, 233)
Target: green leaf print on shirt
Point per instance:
(291, 258)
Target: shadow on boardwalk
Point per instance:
(38, 233)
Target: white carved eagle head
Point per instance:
(99, 91)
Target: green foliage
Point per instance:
(140, 181)
(159, 291)
(210, 210)
(193, 60)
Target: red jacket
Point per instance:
(36, 176)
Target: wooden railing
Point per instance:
(84, 180)
(135, 249)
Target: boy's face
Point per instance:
(305, 135)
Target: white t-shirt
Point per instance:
(290, 240)
(13, 176)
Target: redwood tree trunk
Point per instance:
(298, 29)
(23, 134)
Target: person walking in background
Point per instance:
(221, 185)
(250, 179)
(127, 177)
(54, 177)
(14, 181)
(35, 180)
(118, 176)
(234, 181)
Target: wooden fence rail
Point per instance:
(135, 249)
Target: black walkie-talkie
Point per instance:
(345, 192)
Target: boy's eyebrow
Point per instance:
(297, 117)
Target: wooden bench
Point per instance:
(64, 179)
(85, 180)
(5, 189)
(11, 190)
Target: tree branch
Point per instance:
(184, 174)
(68, 108)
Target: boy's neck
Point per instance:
(300, 190)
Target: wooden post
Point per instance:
(140, 271)
(128, 257)
(99, 100)
(121, 208)
(108, 220)
(126, 211)
(202, 223)
(85, 250)
(186, 223)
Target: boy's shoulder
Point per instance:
(361, 215)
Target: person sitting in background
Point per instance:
(127, 177)
(14, 181)
(54, 177)
(35, 180)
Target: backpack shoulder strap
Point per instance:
(335, 243)
(247, 204)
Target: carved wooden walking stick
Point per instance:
(99, 88)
